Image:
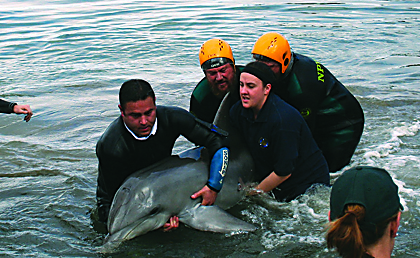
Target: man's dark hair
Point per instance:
(135, 90)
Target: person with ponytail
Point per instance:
(365, 212)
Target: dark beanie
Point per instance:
(261, 71)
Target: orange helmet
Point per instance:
(274, 46)
(214, 53)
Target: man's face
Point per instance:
(139, 116)
(221, 79)
(274, 66)
(253, 93)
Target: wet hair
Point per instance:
(134, 90)
(350, 236)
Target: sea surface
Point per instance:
(67, 60)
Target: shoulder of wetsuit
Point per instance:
(212, 127)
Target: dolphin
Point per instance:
(149, 197)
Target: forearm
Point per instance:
(218, 169)
(271, 182)
(6, 107)
(206, 134)
(216, 142)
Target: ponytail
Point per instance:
(350, 236)
(345, 233)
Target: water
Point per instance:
(68, 59)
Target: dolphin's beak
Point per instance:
(138, 227)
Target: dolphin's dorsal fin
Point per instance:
(221, 119)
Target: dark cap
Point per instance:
(370, 187)
(261, 71)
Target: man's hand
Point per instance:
(171, 224)
(208, 195)
(23, 109)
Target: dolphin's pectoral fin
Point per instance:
(215, 219)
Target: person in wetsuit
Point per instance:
(286, 157)
(11, 107)
(221, 76)
(144, 134)
(332, 113)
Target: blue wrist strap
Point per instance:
(218, 167)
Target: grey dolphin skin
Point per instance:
(149, 197)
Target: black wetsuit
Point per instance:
(332, 113)
(6, 107)
(120, 154)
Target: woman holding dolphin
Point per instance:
(286, 157)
